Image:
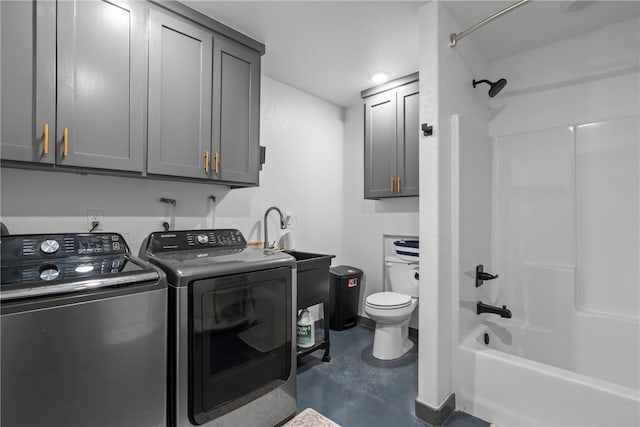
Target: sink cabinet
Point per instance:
(73, 81)
(313, 287)
(391, 139)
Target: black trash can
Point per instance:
(344, 296)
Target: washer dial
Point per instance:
(49, 246)
(203, 239)
(49, 272)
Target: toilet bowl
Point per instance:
(392, 310)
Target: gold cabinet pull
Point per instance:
(399, 182)
(216, 162)
(45, 138)
(206, 161)
(65, 142)
(392, 185)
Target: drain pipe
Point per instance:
(172, 202)
(211, 214)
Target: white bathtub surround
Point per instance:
(557, 348)
(581, 211)
(565, 239)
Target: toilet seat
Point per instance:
(388, 300)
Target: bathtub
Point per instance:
(524, 376)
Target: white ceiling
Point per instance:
(331, 48)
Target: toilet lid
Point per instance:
(388, 300)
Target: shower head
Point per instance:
(495, 87)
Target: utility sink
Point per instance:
(305, 256)
(313, 288)
(312, 277)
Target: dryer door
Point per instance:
(240, 331)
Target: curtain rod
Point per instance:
(453, 38)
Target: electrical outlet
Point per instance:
(95, 220)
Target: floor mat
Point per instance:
(310, 418)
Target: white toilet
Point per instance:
(392, 310)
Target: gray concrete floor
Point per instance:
(357, 390)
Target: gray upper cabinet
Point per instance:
(380, 146)
(391, 139)
(180, 76)
(125, 86)
(204, 100)
(28, 87)
(236, 111)
(82, 69)
(101, 84)
(408, 128)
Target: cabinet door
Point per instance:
(101, 84)
(180, 65)
(408, 137)
(28, 58)
(236, 111)
(380, 145)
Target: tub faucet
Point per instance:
(486, 308)
(283, 224)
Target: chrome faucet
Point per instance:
(283, 224)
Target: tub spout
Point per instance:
(486, 308)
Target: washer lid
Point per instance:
(388, 300)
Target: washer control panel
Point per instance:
(195, 239)
(56, 246)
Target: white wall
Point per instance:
(447, 98)
(303, 174)
(585, 79)
(314, 169)
(366, 222)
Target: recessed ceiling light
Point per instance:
(379, 78)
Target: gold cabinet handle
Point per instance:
(399, 182)
(392, 185)
(45, 138)
(216, 162)
(206, 161)
(65, 142)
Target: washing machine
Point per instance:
(82, 331)
(231, 359)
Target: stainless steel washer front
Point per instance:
(85, 346)
(232, 326)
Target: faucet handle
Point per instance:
(481, 275)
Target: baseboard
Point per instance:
(365, 322)
(436, 416)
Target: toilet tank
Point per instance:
(402, 276)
